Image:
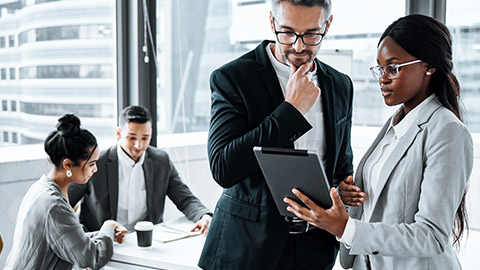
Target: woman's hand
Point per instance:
(332, 220)
(119, 230)
(203, 224)
(351, 195)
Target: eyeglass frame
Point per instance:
(299, 36)
(390, 76)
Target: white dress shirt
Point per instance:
(132, 196)
(376, 161)
(314, 139)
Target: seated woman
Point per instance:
(410, 186)
(48, 234)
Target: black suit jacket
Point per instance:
(100, 194)
(248, 109)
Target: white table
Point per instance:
(180, 254)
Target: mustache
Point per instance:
(308, 52)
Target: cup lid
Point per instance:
(143, 226)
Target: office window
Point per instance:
(5, 137)
(351, 34)
(464, 25)
(2, 42)
(14, 137)
(13, 105)
(69, 64)
(12, 73)
(4, 105)
(11, 41)
(195, 38)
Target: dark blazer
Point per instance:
(248, 109)
(100, 194)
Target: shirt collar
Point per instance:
(399, 125)
(124, 159)
(282, 69)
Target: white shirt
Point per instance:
(376, 161)
(132, 196)
(314, 139)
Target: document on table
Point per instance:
(164, 233)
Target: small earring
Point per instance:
(69, 173)
(429, 73)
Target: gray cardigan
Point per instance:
(48, 234)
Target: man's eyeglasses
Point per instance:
(289, 38)
(390, 70)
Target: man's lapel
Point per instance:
(148, 173)
(112, 180)
(268, 74)
(328, 101)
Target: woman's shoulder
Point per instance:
(445, 124)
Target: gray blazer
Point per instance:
(420, 189)
(100, 194)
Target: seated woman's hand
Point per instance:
(349, 193)
(203, 224)
(119, 230)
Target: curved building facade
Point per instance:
(57, 57)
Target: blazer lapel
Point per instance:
(359, 181)
(148, 172)
(356, 212)
(268, 74)
(403, 145)
(112, 180)
(328, 102)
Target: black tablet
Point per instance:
(285, 169)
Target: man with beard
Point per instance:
(278, 95)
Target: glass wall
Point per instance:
(195, 37)
(464, 24)
(56, 57)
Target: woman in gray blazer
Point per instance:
(48, 234)
(406, 205)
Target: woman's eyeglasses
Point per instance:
(391, 70)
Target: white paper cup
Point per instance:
(144, 231)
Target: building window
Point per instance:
(5, 137)
(2, 42)
(5, 105)
(3, 75)
(82, 110)
(11, 41)
(13, 105)
(12, 74)
(66, 71)
(93, 31)
(14, 137)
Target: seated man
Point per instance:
(133, 180)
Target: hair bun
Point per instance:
(68, 125)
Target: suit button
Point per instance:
(375, 253)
